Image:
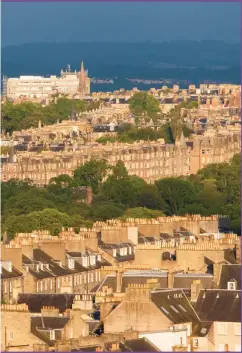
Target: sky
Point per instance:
(127, 22)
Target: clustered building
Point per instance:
(165, 284)
(148, 160)
(39, 87)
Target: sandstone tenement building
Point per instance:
(148, 160)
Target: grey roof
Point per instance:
(175, 305)
(228, 273)
(219, 305)
(37, 301)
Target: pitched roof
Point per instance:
(49, 322)
(138, 345)
(37, 301)
(219, 305)
(184, 281)
(228, 273)
(201, 329)
(135, 278)
(10, 274)
(175, 305)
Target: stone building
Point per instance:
(148, 160)
(12, 282)
(38, 87)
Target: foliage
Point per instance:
(91, 174)
(213, 190)
(27, 114)
(176, 193)
(141, 212)
(144, 103)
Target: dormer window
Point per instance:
(93, 260)
(99, 258)
(121, 251)
(52, 335)
(125, 251)
(42, 267)
(114, 252)
(71, 263)
(85, 261)
(130, 250)
(231, 285)
(37, 268)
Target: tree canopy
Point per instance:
(213, 190)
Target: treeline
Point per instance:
(128, 133)
(213, 190)
(28, 114)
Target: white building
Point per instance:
(43, 87)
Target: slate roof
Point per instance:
(135, 345)
(228, 273)
(56, 270)
(37, 301)
(49, 322)
(201, 329)
(138, 345)
(8, 275)
(175, 305)
(184, 281)
(219, 305)
(111, 281)
(229, 256)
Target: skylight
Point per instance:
(165, 311)
(174, 309)
(181, 307)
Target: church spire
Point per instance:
(82, 66)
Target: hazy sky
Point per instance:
(61, 22)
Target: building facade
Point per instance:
(148, 160)
(31, 87)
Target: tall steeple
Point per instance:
(84, 81)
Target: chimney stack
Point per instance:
(170, 277)
(196, 286)
(119, 277)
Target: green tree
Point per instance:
(144, 103)
(149, 197)
(176, 193)
(106, 211)
(141, 212)
(91, 174)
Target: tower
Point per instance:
(84, 81)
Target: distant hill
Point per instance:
(180, 60)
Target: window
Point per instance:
(183, 309)
(71, 263)
(231, 286)
(195, 342)
(46, 284)
(52, 335)
(237, 347)
(174, 309)
(237, 329)
(10, 286)
(164, 310)
(51, 284)
(58, 283)
(5, 287)
(222, 328)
